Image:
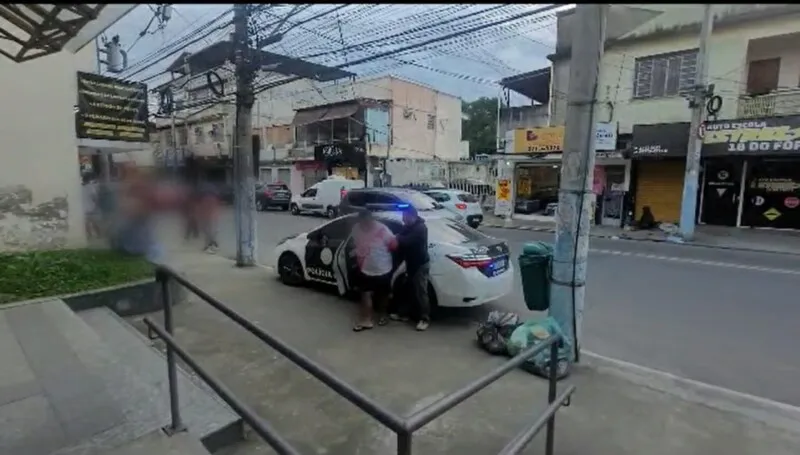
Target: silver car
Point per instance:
(460, 202)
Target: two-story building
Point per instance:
(750, 168)
(202, 119)
(352, 127)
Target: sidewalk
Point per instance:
(729, 238)
(618, 409)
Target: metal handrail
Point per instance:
(403, 428)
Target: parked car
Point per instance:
(272, 195)
(468, 267)
(324, 197)
(390, 199)
(460, 202)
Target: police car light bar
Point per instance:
(386, 207)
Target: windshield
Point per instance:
(421, 202)
(277, 187)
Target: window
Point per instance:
(167, 135)
(337, 229)
(216, 132)
(439, 197)
(355, 198)
(199, 137)
(762, 76)
(183, 136)
(431, 121)
(467, 197)
(665, 75)
(311, 192)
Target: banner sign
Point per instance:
(539, 140)
(341, 154)
(663, 140)
(111, 109)
(766, 136)
(502, 201)
(605, 136)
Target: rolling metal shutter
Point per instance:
(659, 185)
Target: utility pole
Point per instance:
(244, 181)
(697, 104)
(573, 216)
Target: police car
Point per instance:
(468, 268)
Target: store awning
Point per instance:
(318, 114)
(29, 31)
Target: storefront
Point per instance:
(659, 156)
(536, 155)
(752, 173)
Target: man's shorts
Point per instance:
(378, 284)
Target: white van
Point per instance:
(323, 197)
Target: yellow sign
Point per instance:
(504, 190)
(539, 140)
(772, 214)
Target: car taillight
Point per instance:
(468, 261)
(267, 193)
(461, 206)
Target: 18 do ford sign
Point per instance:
(774, 136)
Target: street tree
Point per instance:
(479, 125)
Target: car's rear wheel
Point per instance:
(260, 206)
(295, 209)
(290, 270)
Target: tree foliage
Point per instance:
(479, 125)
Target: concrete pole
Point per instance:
(574, 217)
(244, 181)
(691, 176)
(173, 162)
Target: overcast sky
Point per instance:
(464, 67)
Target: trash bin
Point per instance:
(534, 269)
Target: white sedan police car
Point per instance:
(468, 268)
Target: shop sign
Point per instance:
(766, 136)
(341, 154)
(605, 136)
(111, 109)
(791, 202)
(663, 140)
(502, 204)
(539, 140)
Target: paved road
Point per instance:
(723, 317)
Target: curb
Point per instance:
(769, 412)
(624, 237)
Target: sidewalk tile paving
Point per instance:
(405, 370)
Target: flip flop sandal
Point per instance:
(383, 320)
(361, 327)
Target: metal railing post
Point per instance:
(176, 424)
(551, 397)
(404, 440)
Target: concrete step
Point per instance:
(158, 443)
(142, 381)
(67, 389)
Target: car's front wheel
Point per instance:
(295, 209)
(331, 212)
(290, 270)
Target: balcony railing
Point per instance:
(774, 104)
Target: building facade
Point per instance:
(647, 71)
(361, 123)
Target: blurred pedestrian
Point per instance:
(207, 215)
(91, 207)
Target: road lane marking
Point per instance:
(697, 261)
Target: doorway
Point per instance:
(613, 195)
(721, 192)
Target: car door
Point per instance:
(323, 246)
(308, 199)
(346, 260)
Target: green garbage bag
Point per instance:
(534, 269)
(536, 331)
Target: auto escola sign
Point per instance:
(765, 136)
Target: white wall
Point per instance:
(728, 50)
(40, 188)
